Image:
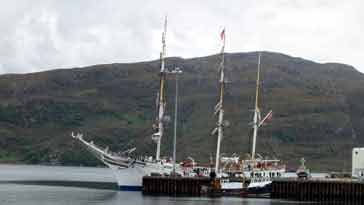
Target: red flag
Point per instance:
(270, 115)
(222, 34)
(267, 117)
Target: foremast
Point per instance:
(157, 136)
(219, 107)
(256, 118)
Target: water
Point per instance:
(35, 172)
(16, 194)
(44, 195)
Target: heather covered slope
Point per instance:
(318, 113)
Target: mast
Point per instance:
(256, 111)
(175, 126)
(176, 71)
(219, 107)
(157, 137)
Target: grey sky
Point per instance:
(48, 34)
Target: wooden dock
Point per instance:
(325, 190)
(176, 186)
(318, 190)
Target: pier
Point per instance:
(176, 186)
(318, 190)
(325, 190)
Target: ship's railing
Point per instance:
(104, 155)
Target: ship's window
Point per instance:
(356, 152)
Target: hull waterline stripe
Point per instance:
(130, 188)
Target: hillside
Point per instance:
(318, 113)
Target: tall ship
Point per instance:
(254, 174)
(129, 171)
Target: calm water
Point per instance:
(16, 194)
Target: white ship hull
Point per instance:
(131, 178)
(128, 172)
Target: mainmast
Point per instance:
(157, 137)
(256, 119)
(219, 107)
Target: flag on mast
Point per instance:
(268, 117)
(222, 34)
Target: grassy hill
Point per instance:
(318, 113)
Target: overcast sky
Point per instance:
(48, 34)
